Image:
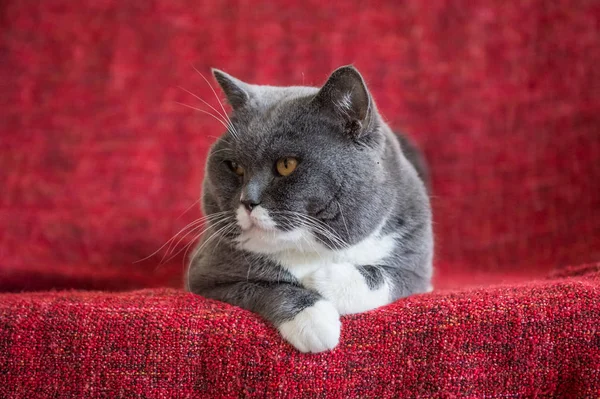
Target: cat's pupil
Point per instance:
(285, 166)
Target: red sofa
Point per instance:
(98, 163)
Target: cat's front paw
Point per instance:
(315, 329)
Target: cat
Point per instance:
(315, 209)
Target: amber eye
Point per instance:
(235, 168)
(285, 166)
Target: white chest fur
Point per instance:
(334, 274)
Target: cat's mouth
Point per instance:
(258, 220)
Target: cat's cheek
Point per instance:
(314, 329)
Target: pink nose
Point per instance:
(249, 205)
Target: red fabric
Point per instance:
(532, 340)
(98, 162)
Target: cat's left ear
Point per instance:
(345, 97)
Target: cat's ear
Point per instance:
(345, 96)
(237, 92)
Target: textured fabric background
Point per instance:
(98, 163)
(97, 160)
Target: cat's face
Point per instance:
(300, 169)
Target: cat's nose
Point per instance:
(249, 204)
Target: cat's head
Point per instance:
(299, 167)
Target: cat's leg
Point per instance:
(351, 289)
(303, 317)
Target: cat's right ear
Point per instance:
(236, 91)
(345, 96)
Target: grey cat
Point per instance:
(315, 209)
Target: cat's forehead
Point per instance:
(276, 110)
(279, 121)
(286, 130)
(267, 97)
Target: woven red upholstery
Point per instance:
(533, 340)
(98, 162)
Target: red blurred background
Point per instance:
(98, 161)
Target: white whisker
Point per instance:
(234, 132)
(249, 265)
(223, 116)
(213, 221)
(197, 221)
(318, 225)
(221, 150)
(205, 112)
(210, 238)
(343, 219)
(198, 236)
(231, 228)
(188, 209)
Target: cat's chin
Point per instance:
(266, 242)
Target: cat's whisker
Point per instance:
(169, 240)
(310, 244)
(207, 218)
(173, 245)
(214, 221)
(306, 217)
(222, 150)
(324, 229)
(343, 219)
(189, 208)
(300, 223)
(223, 235)
(249, 265)
(197, 221)
(197, 225)
(325, 234)
(224, 117)
(223, 139)
(189, 245)
(203, 101)
(187, 248)
(209, 239)
(227, 221)
(310, 225)
(331, 234)
(205, 112)
(234, 132)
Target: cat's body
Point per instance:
(346, 231)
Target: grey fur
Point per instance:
(374, 275)
(352, 176)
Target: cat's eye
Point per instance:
(236, 168)
(286, 165)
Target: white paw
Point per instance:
(314, 329)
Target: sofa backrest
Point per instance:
(98, 161)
